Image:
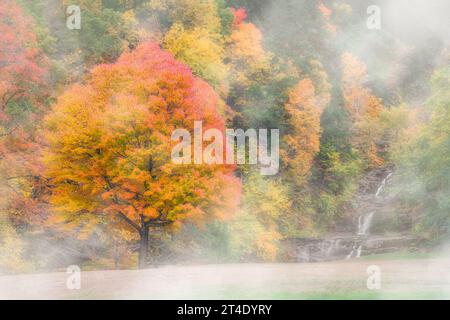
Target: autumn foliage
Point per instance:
(21, 62)
(87, 117)
(363, 106)
(23, 92)
(110, 146)
(303, 143)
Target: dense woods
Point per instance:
(86, 118)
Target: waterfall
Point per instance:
(383, 185)
(364, 223)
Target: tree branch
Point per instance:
(129, 221)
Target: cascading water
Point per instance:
(364, 223)
(383, 185)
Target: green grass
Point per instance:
(337, 295)
(343, 295)
(362, 295)
(401, 255)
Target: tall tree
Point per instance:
(110, 147)
(258, 81)
(302, 143)
(364, 109)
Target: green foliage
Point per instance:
(425, 164)
(336, 124)
(36, 9)
(245, 231)
(336, 182)
(254, 231)
(106, 32)
(198, 49)
(116, 36)
(123, 5)
(226, 17)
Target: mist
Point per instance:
(92, 207)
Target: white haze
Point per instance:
(415, 23)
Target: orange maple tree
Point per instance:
(245, 50)
(302, 143)
(110, 148)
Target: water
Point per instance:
(365, 221)
(383, 185)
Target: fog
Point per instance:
(401, 56)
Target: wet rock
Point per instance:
(339, 248)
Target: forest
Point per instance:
(92, 90)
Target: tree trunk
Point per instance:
(143, 247)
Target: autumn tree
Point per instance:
(21, 62)
(23, 94)
(285, 20)
(258, 82)
(245, 50)
(301, 145)
(364, 109)
(110, 147)
(303, 141)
